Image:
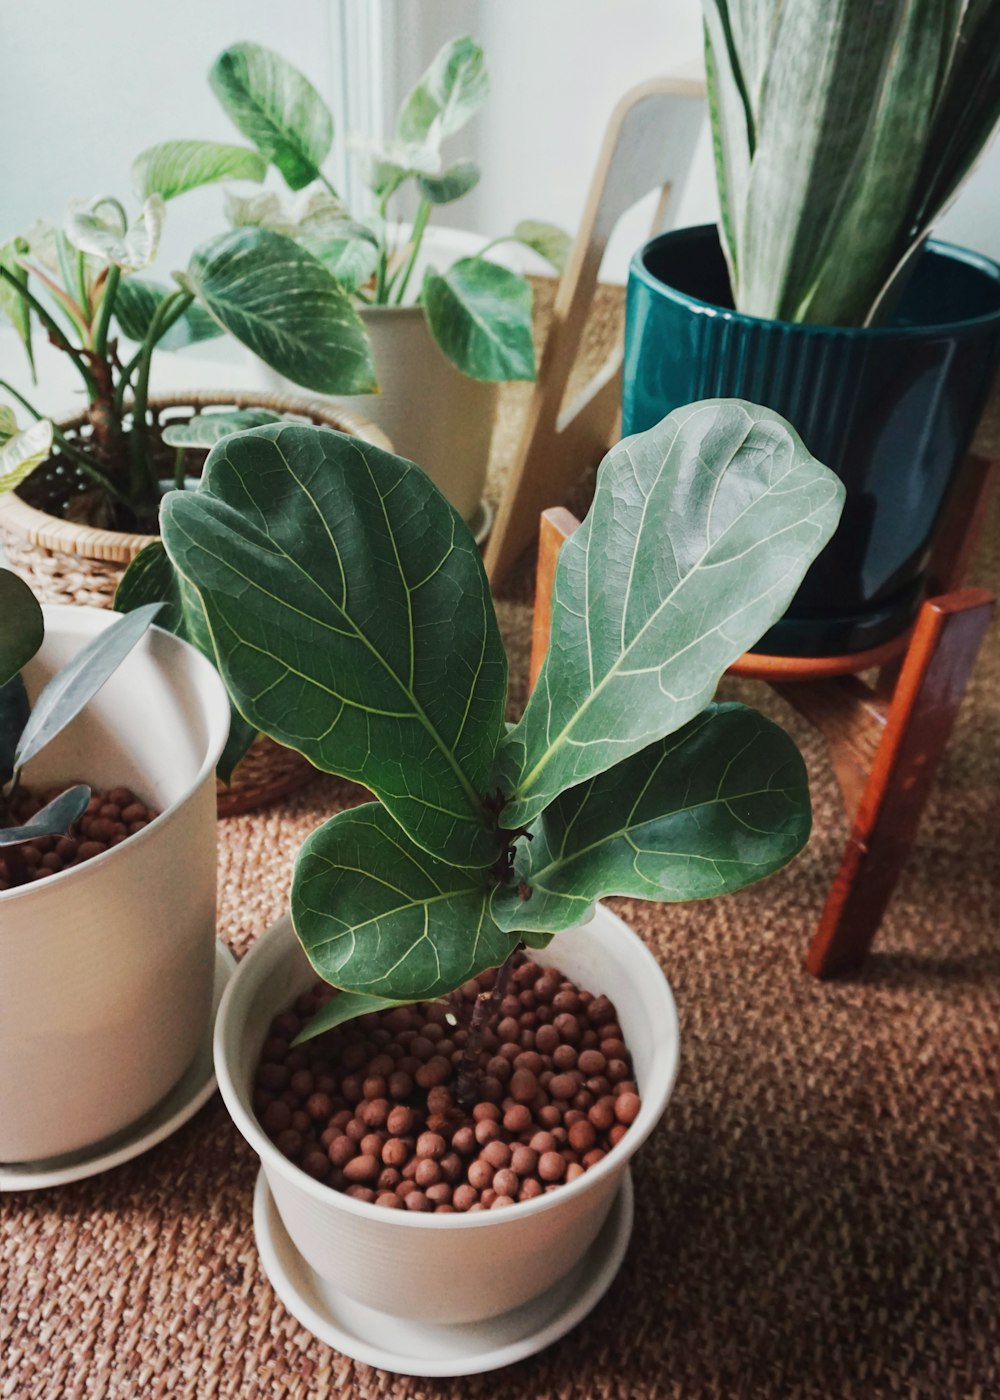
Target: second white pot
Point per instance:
(450, 1268)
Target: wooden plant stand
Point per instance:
(885, 740)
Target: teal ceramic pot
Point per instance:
(891, 409)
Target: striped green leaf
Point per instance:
(173, 167)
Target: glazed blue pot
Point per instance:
(891, 409)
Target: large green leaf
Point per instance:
(480, 315)
(375, 914)
(94, 227)
(451, 184)
(151, 578)
(719, 804)
(452, 90)
(174, 167)
(136, 302)
(22, 627)
(700, 533)
(352, 621)
(23, 452)
(79, 681)
(55, 818)
(281, 302)
(277, 108)
(14, 711)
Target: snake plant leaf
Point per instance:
(22, 629)
(94, 227)
(136, 302)
(277, 108)
(78, 682)
(54, 819)
(206, 429)
(722, 802)
(14, 711)
(480, 316)
(173, 167)
(21, 453)
(12, 305)
(376, 914)
(451, 91)
(700, 532)
(280, 301)
(451, 184)
(352, 621)
(151, 578)
(343, 1007)
(547, 240)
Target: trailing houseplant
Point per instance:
(841, 132)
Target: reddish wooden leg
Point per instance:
(556, 526)
(931, 684)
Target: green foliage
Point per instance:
(480, 316)
(173, 167)
(350, 618)
(21, 451)
(841, 131)
(23, 629)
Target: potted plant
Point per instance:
(109, 734)
(79, 499)
(382, 661)
(441, 341)
(839, 138)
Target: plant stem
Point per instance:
(416, 238)
(81, 287)
(54, 329)
(483, 1014)
(143, 478)
(179, 473)
(125, 379)
(104, 313)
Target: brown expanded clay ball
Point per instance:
(371, 1107)
(108, 819)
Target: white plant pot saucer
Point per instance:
(433, 1349)
(482, 522)
(195, 1087)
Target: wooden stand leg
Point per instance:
(931, 684)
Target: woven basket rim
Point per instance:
(39, 528)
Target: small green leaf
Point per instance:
(342, 1007)
(8, 424)
(79, 681)
(451, 184)
(280, 301)
(93, 226)
(352, 621)
(54, 819)
(173, 167)
(135, 304)
(263, 210)
(151, 578)
(277, 108)
(14, 711)
(547, 240)
(22, 627)
(14, 307)
(719, 804)
(451, 91)
(378, 915)
(22, 453)
(206, 429)
(480, 315)
(347, 248)
(700, 532)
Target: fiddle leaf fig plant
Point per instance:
(477, 311)
(351, 619)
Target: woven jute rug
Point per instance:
(816, 1215)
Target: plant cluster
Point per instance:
(347, 609)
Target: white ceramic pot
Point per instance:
(450, 1268)
(106, 969)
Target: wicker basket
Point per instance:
(69, 563)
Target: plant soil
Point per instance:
(110, 817)
(372, 1108)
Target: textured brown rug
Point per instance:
(816, 1216)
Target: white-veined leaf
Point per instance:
(173, 167)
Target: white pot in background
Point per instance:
(450, 1268)
(106, 969)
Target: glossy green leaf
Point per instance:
(173, 167)
(700, 533)
(151, 578)
(22, 453)
(79, 681)
(21, 625)
(14, 711)
(722, 802)
(451, 91)
(547, 240)
(206, 429)
(352, 621)
(378, 915)
(342, 1007)
(280, 301)
(94, 227)
(13, 306)
(135, 304)
(451, 184)
(480, 316)
(54, 819)
(277, 108)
